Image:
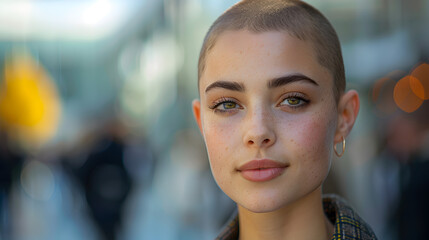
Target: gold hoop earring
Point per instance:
(344, 148)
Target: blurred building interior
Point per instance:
(98, 140)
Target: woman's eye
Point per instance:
(225, 105)
(294, 101)
(229, 105)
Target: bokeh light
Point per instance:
(37, 180)
(420, 81)
(404, 96)
(29, 103)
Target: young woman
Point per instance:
(272, 108)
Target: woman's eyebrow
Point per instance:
(277, 82)
(233, 86)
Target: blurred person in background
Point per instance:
(29, 114)
(110, 166)
(400, 176)
(105, 181)
(10, 168)
(408, 142)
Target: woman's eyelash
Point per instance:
(220, 101)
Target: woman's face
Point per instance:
(268, 117)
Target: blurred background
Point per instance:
(98, 141)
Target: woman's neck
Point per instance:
(303, 219)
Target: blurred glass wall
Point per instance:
(98, 141)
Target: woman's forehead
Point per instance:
(242, 55)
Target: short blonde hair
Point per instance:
(298, 18)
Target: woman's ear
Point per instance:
(196, 108)
(348, 109)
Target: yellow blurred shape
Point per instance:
(403, 95)
(29, 103)
(420, 82)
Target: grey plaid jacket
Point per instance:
(347, 223)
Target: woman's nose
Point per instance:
(259, 130)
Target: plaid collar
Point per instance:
(347, 224)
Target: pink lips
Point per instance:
(262, 170)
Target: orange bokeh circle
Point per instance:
(404, 96)
(420, 81)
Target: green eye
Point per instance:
(225, 105)
(293, 101)
(229, 105)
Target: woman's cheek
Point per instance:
(220, 134)
(313, 141)
(218, 147)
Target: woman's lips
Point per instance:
(262, 170)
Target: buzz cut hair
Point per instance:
(294, 17)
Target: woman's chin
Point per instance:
(261, 206)
(267, 201)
